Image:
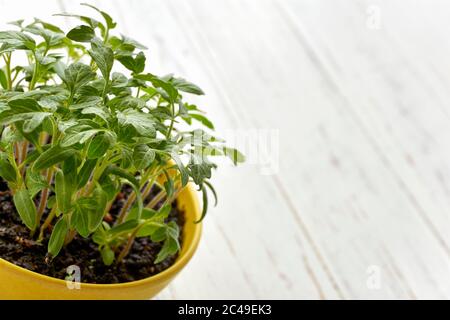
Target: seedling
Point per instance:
(74, 132)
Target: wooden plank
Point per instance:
(351, 202)
(393, 89)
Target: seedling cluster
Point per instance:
(74, 132)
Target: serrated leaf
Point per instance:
(142, 122)
(183, 171)
(76, 75)
(103, 57)
(171, 245)
(35, 182)
(17, 40)
(143, 156)
(134, 64)
(78, 137)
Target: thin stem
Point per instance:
(172, 108)
(98, 171)
(47, 222)
(44, 194)
(9, 81)
(34, 79)
(23, 153)
(127, 247)
(156, 199)
(126, 206)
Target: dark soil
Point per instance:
(17, 247)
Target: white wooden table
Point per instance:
(359, 95)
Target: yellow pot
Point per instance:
(19, 283)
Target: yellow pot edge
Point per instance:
(191, 237)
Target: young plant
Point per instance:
(74, 131)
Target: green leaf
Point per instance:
(109, 21)
(3, 81)
(52, 156)
(133, 182)
(35, 182)
(17, 40)
(81, 34)
(7, 171)
(59, 233)
(186, 86)
(171, 244)
(103, 57)
(31, 119)
(142, 122)
(203, 120)
(169, 89)
(80, 216)
(85, 172)
(108, 255)
(205, 205)
(35, 121)
(77, 137)
(200, 169)
(26, 208)
(89, 211)
(134, 64)
(76, 75)
(97, 111)
(100, 144)
(183, 171)
(143, 156)
(95, 217)
(52, 38)
(90, 21)
(123, 228)
(64, 189)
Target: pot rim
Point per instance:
(182, 260)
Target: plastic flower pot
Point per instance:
(19, 283)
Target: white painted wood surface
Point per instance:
(359, 92)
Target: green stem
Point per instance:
(98, 171)
(7, 58)
(127, 247)
(172, 108)
(44, 194)
(47, 222)
(34, 79)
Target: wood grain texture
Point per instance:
(362, 117)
